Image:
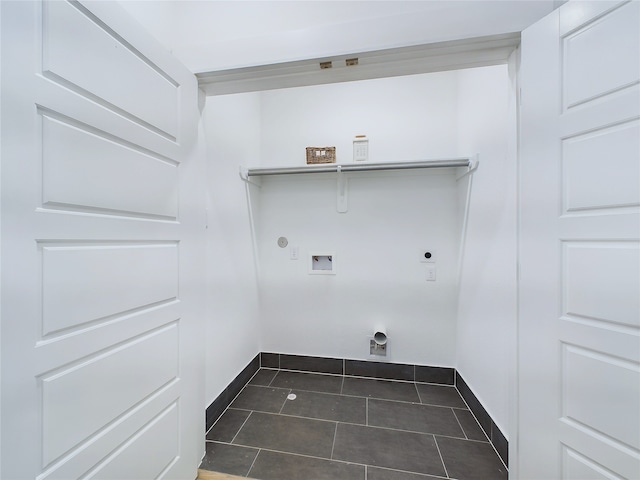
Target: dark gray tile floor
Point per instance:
(346, 428)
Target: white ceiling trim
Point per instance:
(451, 55)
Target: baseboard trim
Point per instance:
(360, 368)
(491, 430)
(220, 404)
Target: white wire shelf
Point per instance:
(357, 167)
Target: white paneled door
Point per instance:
(579, 312)
(102, 235)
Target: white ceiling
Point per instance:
(214, 35)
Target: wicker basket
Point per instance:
(317, 155)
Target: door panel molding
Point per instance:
(579, 237)
(103, 236)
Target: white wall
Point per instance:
(158, 18)
(405, 118)
(392, 217)
(487, 301)
(233, 138)
(379, 279)
(216, 35)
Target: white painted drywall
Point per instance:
(379, 279)
(158, 18)
(233, 138)
(404, 118)
(487, 297)
(211, 35)
(391, 218)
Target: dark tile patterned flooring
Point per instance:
(348, 428)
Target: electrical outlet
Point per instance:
(360, 148)
(431, 273)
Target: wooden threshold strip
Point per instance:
(207, 475)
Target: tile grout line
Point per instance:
(285, 402)
(487, 436)
(499, 457)
(362, 377)
(418, 392)
(366, 412)
(344, 360)
(461, 427)
(419, 474)
(295, 454)
(233, 400)
(243, 424)
(441, 459)
(477, 421)
(333, 445)
(253, 463)
(274, 378)
(252, 376)
(346, 462)
(354, 424)
(453, 409)
(384, 399)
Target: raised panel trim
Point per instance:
(624, 290)
(87, 455)
(58, 350)
(52, 326)
(579, 14)
(600, 448)
(600, 168)
(621, 90)
(173, 410)
(48, 70)
(67, 445)
(149, 204)
(580, 29)
(569, 453)
(566, 416)
(610, 338)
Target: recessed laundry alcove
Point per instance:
(454, 321)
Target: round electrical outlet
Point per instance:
(283, 242)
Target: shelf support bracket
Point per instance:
(474, 163)
(343, 191)
(244, 175)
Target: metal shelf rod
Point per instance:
(359, 167)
